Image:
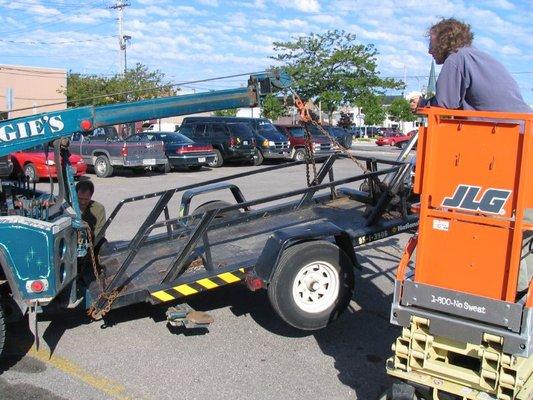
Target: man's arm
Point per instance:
(450, 90)
(98, 211)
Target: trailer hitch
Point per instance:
(184, 315)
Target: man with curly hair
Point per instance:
(469, 79)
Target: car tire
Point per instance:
(348, 140)
(217, 161)
(258, 159)
(403, 145)
(2, 329)
(300, 155)
(195, 167)
(295, 301)
(102, 167)
(30, 172)
(163, 168)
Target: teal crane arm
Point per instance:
(26, 132)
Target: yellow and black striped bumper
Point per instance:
(188, 289)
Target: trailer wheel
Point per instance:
(102, 167)
(258, 158)
(312, 284)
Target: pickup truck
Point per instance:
(104, 150)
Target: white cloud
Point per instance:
(307, 6)
(212, 3)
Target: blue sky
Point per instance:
(190, 40)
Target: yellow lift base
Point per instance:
(473, 372)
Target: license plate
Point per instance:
(245, 142)
(149, 161)
(201, 159)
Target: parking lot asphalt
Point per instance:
(247, 353)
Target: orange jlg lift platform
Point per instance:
(466, 306)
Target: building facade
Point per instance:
(28, 90)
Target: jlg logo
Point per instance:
(466, 198)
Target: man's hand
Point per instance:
(413, 103)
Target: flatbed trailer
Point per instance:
(222, 243)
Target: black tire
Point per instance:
(163, 168)
(401, 391)
(30, 172)
(214, 204)
(195, 167)
(102, 167)
(298, 259)
(300, 155)
(2, 329)
(348, 142)
(217, 161)
(403, 145)
(258, 159)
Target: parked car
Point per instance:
(181, 151)
(230, 141)
(342, 136)
(270, 143)
(105, 150)
(6, 166)
(322, 146)
(35, 166)
(402, 141)
(388, 137)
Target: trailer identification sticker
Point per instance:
(441, 225)
(462, 305)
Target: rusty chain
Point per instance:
(110, 297)
(306, 118)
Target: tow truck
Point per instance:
(466, 313)
(301, 251)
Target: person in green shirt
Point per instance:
(92, 212)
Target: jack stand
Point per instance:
(184, 315)
(32, 319)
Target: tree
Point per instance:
(399, 110)
(345, 121)
(373, 110)
(272, 107)
(136, 84)
(331, 68)
(230, 112)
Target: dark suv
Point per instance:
(270, 143)
(6, 166)
(231, 141)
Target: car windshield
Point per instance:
(186, 130)
(241, 130)
(40, 149)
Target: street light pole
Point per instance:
(125, 40)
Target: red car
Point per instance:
(322, 146)
(34, 165)
(402, 141)
(393, 138)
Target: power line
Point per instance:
(138, 90)
(62, 42)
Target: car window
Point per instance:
(297, 132)
(219, 130)
(241, 130)
(186, 130)
(201, 131)
(138, 138)
(76, 136)
(174, 138)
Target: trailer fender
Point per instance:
(287, 237)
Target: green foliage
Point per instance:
(272, 107)
(399, 110)
(332, 68)
(345, 121)
(373, 110)
(136, 84)
(230, 112)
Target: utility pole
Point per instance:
(119, 6)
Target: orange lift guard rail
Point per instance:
(474, 177)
